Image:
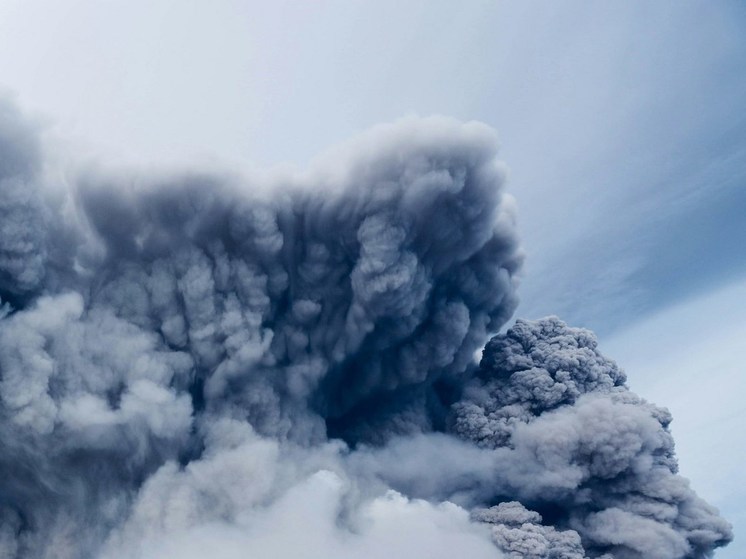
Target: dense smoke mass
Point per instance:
(209, 364)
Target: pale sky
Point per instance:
(622, 124)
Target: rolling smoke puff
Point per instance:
(574, 443)
(535, 367)
(519, 533)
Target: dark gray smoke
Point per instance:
(581, 449)
(208, 363)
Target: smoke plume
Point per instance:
(203, 363)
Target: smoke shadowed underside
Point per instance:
(204, 364)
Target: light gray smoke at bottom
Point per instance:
(207, 363)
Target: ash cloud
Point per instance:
(202, 362)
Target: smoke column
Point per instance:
(205, 364)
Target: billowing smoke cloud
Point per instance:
(581, 449)
(211, 364)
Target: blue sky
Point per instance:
(623, 125)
